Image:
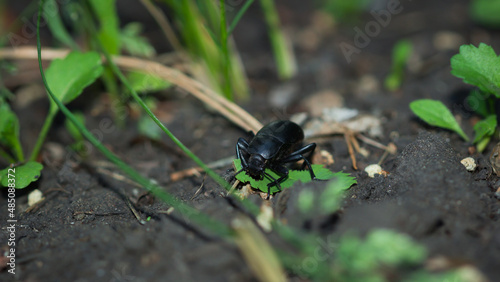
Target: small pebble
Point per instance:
(34, 197)
(469, 163)
(373, 169)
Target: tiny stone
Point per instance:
(34, 197)
(373, 169)
(469, 163)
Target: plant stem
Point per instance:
(226, 62)
(43, 133)
(284, 57)
(239, 15)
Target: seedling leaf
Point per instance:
(478, 102)
(382, 249)
(437, 114)
(485, 128)
(149, 128)
(400, 54)
(9, 131)
(478, 66)
(69, 76)
(331, 198)
(134, 43)
(23, 175)
(146, 82)
(321, 173)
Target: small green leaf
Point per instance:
(437, 114)
(69, 76)
(149, 128)
(478, 66)
(146, 82)
(135, 44)
(478, 102)
(79, 144)
(9, 131)
(21, 175)
(381, 250)
(485, 128)
(400, 54)
(331, 198)
(321, 173)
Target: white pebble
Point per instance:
(34, 197)
(469, 163)
(373, 169)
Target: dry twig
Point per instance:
(225, 107)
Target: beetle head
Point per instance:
(256, 166)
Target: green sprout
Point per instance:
(79, 144)
(381, 252)
(68, 82)
(437, 114)
(400, 54)
(479, 66)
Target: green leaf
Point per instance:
(149, 128)
(135, 44)
(109, 32)
(478, 102)
(321, 173)
(72, 129)
(9, 131)
(145, 82)
(381, 251)
(331, 198)
(478, 66)
(21, 175)
(69, 76)
(52, 16)
(437, 114)
(486, 12)
(485, 128)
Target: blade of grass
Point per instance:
(227, 86)
(257, 251)
(191, 213)
(238, 16)
(284, 57)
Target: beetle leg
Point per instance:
(281, 170)
(299, 155)
(242, 146)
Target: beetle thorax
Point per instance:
(256, 166)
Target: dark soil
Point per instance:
(84, 230)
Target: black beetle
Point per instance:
(272, 147)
